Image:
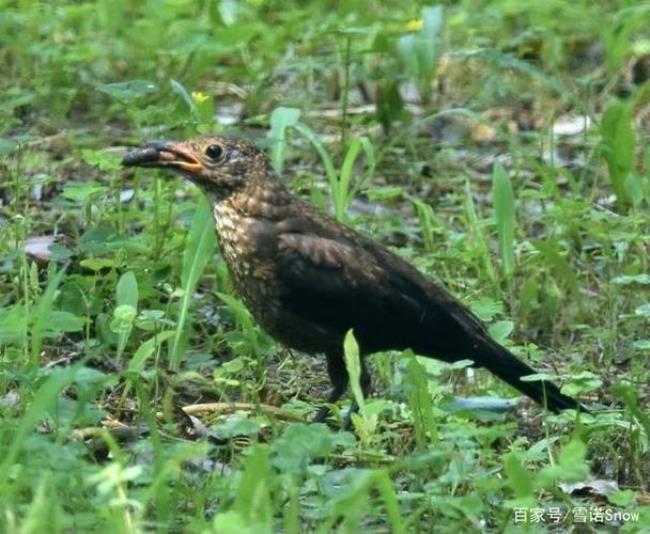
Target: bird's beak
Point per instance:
(164, 154)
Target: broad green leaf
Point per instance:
(641, 279)
(299, 444)
(232, 522)
(7, 146)
(82, 192)
(281, 119)
(60, 322)
(486, 309)
(126, 310)
(128, 91)
(623, 499)
(97, 264)
(571, 466)
(123, 317)
(127, 290)
(228, 9)
(501, 330)
(520, 479)
(643, 310)
(13, 324)
(101, 159)
(582, 382)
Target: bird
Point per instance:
(308, 279)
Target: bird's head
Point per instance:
(220, 165)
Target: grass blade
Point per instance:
(474, 226)
(504, 214)
(42, 316)
(42, 401)
(126, 310)
(199, 248)
(618, 143)
(353, 365)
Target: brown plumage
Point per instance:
(308, 279)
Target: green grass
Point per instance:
(433, 129)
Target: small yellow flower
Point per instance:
(414, 25)
(199, 98)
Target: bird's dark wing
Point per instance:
(354, 283)
(340, 284)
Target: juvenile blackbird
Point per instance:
(308, 279)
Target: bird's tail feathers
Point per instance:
(501, 362)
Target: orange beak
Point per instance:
(164, 154)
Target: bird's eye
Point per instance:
(214, 152)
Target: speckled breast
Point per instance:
(249, 263)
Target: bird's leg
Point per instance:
(339, 378)
(365, 381)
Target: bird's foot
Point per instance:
(322, 414)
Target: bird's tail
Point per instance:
(501, 362)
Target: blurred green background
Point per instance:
(500, 146)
